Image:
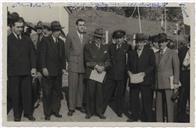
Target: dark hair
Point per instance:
(19, 19)
(79, 20)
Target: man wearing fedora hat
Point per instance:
(74, 53)
(167, 66)
(118, 72)
(141, 63)
(96, 59)
(53, 65)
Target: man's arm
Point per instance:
(176, 67)
(68, 44)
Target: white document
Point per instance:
(172, 85)
(136, 78)
(99, 77)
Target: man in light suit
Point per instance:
(167, 65)
(74, 53)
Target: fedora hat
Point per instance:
(141, 36)
(99, 32)
(55, 26)
(162, 37)
(118, 34)
(39, 25)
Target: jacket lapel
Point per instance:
(163, 57)
(52, 44)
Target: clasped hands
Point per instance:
(99, 68)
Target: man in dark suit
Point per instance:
(74, 53)
(141, 63)
(184, 57)
(116, 80)
(96, 59)
(20, 67)
(53, 65)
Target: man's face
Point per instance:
(98, 40)
(39, 30)
(156, 45)
(56, 33)
(18, 27)
(119, 40)
(140, 44)
(81, 26)
(162, 45)
(46, 32)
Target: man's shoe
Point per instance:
(47, 118)
(132, 120)
(70, 113)
(119, 114)
(17, 119)
(58, 115)
(101, 116)
(81, 109)
(30, 117)
(88, 116)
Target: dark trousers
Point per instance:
(184, 95)
(94, 97)
(51, 95)
(116, 88)
(146, 96)
(21, 94)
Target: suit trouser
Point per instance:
(184, 95)
(94, 97)
(169, 105)
(21, 94)
(116, 87)
(76, 87)
(146, 93)
(51, 95)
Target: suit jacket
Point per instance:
(53, 55)
(144, 63)
(95, 56)
(37, 46)
(20, 56)
(181, 54)
(166, 65)
(74, 52)
(118, 68)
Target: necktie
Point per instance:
(18, 36)
(81, 38)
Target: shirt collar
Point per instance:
(164, 50)
(54, 38)
(17, 36)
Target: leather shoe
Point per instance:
(58, 115)
(17, 119)
(81, 109)
(30, 117)
(132, 120)
(70, 113)
(101, 116)
(119, 114)
(88, 116)
(47, 118)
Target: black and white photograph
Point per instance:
(121, 64)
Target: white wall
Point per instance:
(45, 14)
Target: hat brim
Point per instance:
(57, 29)
(97, 35)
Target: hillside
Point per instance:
(111, 21)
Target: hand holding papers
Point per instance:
(136, 78)
(99, 77)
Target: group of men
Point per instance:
(148, 68)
